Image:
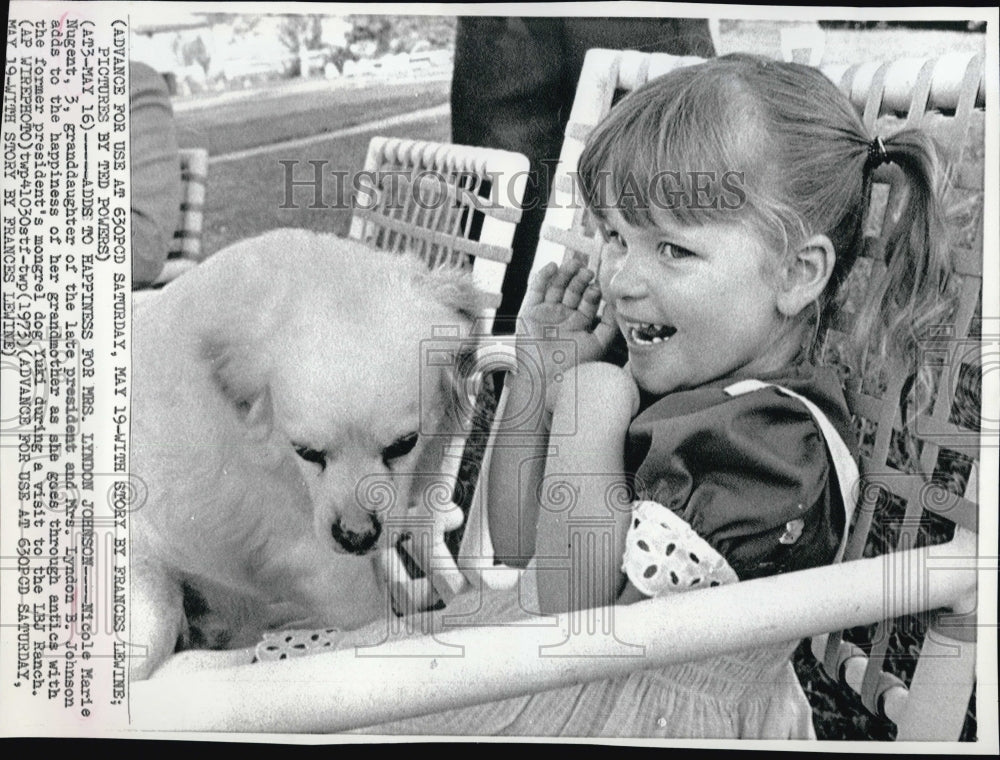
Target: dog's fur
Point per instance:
(289, 342)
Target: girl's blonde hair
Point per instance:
(800, 156)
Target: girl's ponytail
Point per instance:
(913, 297)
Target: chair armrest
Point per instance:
(341, 690)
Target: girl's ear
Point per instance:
(806, 275)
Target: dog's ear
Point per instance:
(455, 290)
(242, 382)
(260, 417)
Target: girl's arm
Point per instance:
(554, 333)
(516, 467)
(585, 512)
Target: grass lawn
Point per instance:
(273, 115)
(244, 197)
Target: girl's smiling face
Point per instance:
(695, 303)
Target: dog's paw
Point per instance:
(206, 629)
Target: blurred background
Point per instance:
(256, 90)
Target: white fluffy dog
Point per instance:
(271, 384)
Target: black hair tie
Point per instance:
(877, 155)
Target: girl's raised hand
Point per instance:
(556, 328)
(561, 305)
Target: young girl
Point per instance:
(731, 196)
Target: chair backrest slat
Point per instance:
(913, 488)
(452, 205)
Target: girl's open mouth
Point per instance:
(647, 334)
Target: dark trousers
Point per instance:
(513, 89)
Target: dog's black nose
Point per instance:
(357, 543)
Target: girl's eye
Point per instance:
(672, 251)
(311, 455)
(613, 237)
(615, 241)
(399, 448)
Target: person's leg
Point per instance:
(506, 94)
(507, 75)
(677, 36)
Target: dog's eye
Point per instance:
(399, 448)
(311, 455)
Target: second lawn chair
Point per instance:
(186, 250)
(452, 206)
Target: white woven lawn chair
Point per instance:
(453, 206)
(185, 248)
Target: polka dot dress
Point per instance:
(663, 555)
(284, 645)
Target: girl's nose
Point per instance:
(624, 277)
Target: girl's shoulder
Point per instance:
(767, 416)
(741, 469)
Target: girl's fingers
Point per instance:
(590, 301)
(538, 284)
(576, 288)
(558, 284)
(607, 328)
